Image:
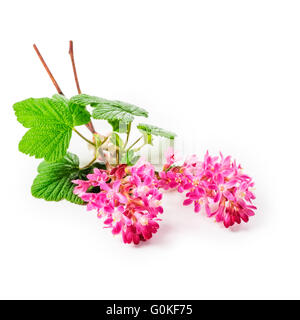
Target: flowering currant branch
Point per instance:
(121, 187)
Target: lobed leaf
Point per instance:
(79, 113)
(156, 131)
(110, 110)
(50, 123)
(54, 180)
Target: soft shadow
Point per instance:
(243, 227)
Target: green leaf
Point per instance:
(110, 110)
(119, 126)
(60, 97)
(50, 143)
(116, 140)
(50, 123)
(156, 131)
(86, 100)
(80, 114)
(130, 158)
(54, 180)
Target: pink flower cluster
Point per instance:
(216, 185)
(127, 198)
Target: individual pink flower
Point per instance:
(233, 213)
(174, 178)
(82, 186)
(97, 177)
(119, 172)
(134, 224)
(171, 158)
(142, 169)
(94, 179)
(112, 194)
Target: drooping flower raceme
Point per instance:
(217, 185)
(127, 198)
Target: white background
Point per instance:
(224, 75)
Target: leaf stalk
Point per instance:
(84, 138)
(134, 143)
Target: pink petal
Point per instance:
(187, 202)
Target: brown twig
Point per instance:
(71, 53)
(48, 70)
(90, 125)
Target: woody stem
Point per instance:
(90, 125)
(48, 70)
